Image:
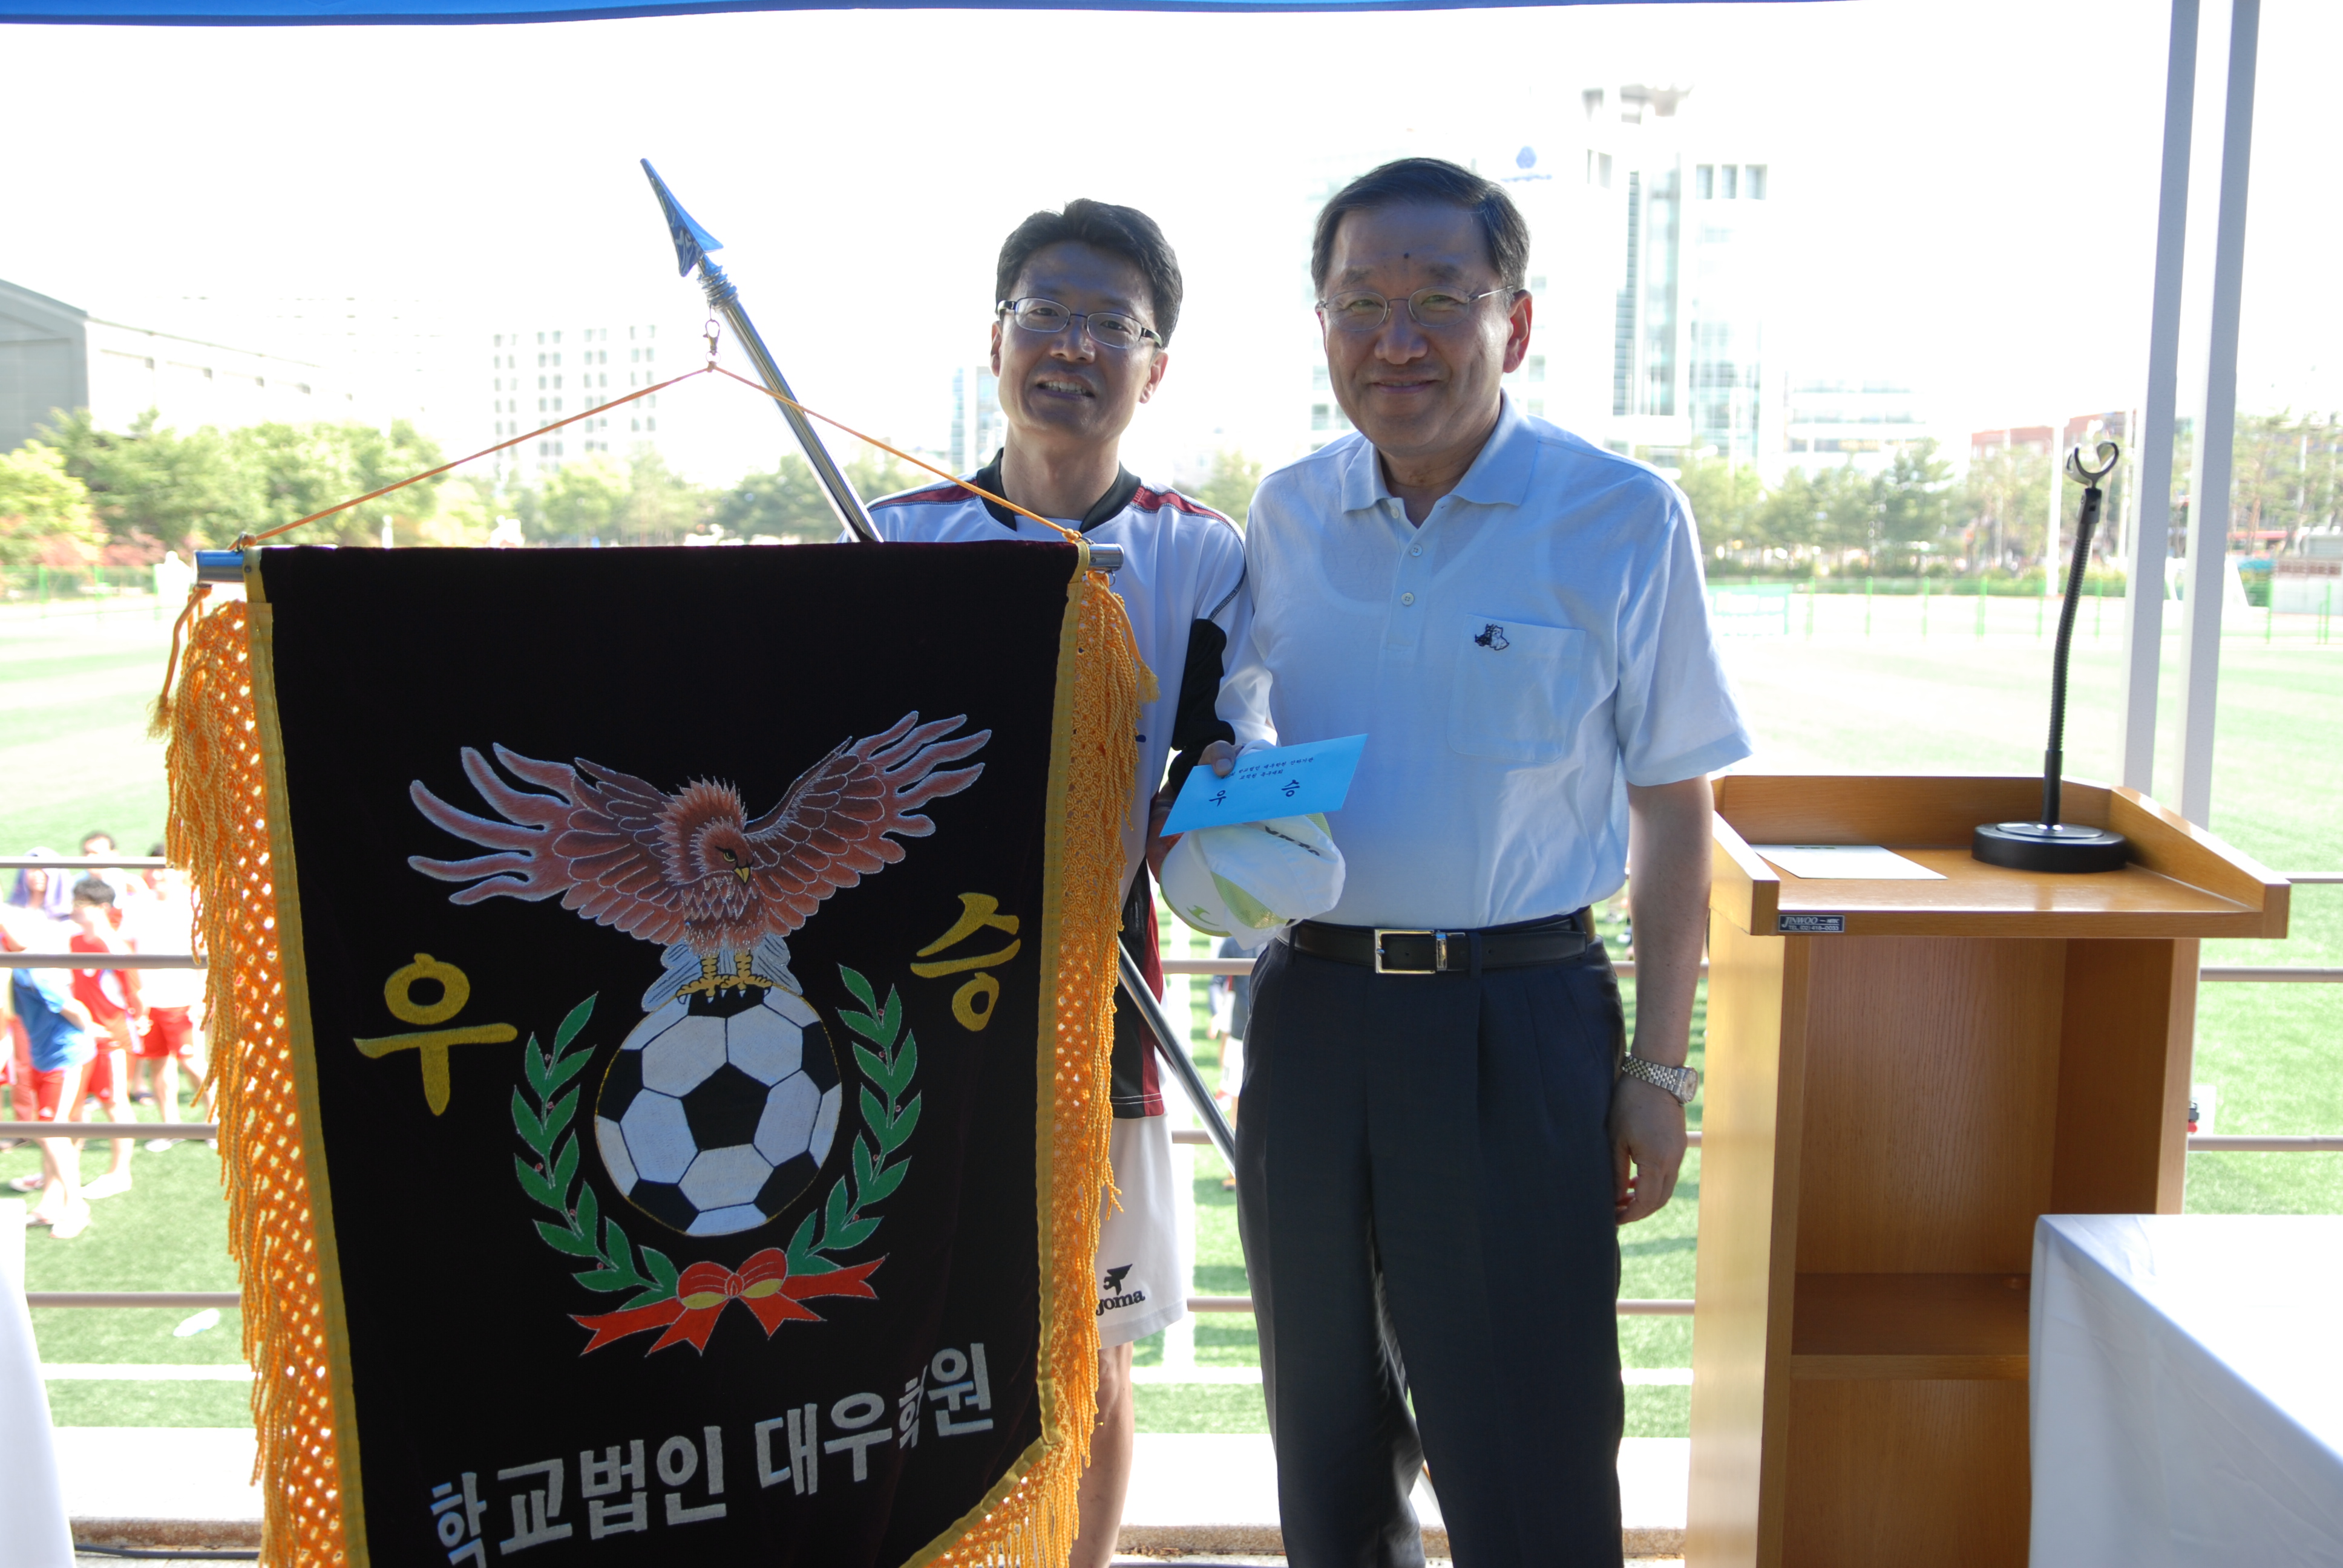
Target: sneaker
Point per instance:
(75, 1220)
(158, 1145)
(107, 1186)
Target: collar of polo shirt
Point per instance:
(1499, 476)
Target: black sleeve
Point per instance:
(1197, 723)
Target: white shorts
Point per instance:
(1142, 1285)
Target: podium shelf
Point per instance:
(1903, 1327)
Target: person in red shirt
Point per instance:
(111, 998)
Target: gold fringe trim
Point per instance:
(219, 833)
(1031, 1519)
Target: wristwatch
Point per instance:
(1683, 1082)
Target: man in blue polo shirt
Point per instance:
(1444, 1126)
(63, 1042)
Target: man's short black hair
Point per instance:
(1123, 231)
(93, 891)
(1433, 182)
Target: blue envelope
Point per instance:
(1285, 781)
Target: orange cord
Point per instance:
(460, 462)
(875, 441)
(710, 368)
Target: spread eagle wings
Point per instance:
(622, 852)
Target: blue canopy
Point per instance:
(344, 13)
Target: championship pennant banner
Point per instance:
(670, 950)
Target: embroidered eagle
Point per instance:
(692, 871)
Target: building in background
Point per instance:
(1651, 257)
(537, 378)
(977, 431)
(1832, 422)
(1689, 208)
(55, 356)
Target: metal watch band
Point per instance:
(1681, 1082)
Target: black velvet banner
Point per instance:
(670, 924)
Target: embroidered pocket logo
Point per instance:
(1493, 636)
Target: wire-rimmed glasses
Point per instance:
(1433, 307)
(1108, 328)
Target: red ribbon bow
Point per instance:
(763, 1284)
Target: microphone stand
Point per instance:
(2048, 844)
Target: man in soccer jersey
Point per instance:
(1088, 299)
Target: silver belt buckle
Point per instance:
(1439, 950)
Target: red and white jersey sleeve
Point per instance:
(1182, 582)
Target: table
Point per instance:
(2187, 1390)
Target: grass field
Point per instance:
(74, 757)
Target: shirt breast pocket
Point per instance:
(1519, 688)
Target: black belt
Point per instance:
(1391, 950)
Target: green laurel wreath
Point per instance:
(844, 1223)
(579, 1229)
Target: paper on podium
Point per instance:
(1846, 864)
(1283, 781)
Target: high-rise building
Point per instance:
(1690, 212)
(977, 430)
(539, 378)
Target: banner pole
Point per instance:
(692, 244)
(1167, 1045)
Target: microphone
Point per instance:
(2050, 845)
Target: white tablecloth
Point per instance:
(33, 1532)
(2188, 1390)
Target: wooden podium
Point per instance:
(1902, 1075)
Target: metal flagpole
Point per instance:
(1167, 1045)
(692, 244)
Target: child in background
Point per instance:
(110, 997)
(164, 923)
(63, 1043)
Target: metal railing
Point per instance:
(2199, 1143)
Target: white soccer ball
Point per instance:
(719, 1109)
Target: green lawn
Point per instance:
(74, 757)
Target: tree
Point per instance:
(874, 473)
(661, 505)
(43, 506)
(298, 470)
(1914, 505)
(2005, 499)
(784, 503)
(1728, 503)
(580, 501)
(1228, 489)
(150, 482)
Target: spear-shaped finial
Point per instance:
(692, 243)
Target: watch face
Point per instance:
(1689, 1085)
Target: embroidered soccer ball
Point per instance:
(718, 1109)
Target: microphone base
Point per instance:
(2064, 848)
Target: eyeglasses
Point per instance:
(1364, 311)
(1108, 328)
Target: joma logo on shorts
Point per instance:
(1108, 1287)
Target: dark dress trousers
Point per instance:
(1425, 1195)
